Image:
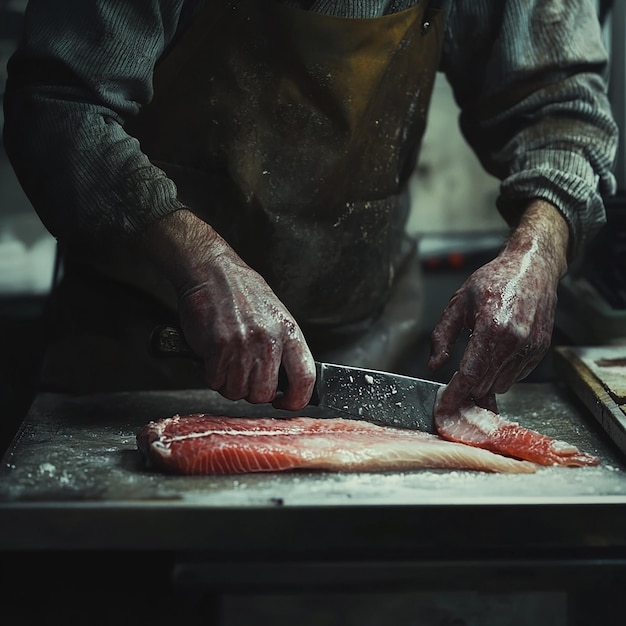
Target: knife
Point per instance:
(364, 394)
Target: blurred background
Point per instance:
(454, 214)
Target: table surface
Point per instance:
(74, 478)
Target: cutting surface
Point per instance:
(75, 462)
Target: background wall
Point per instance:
(26, 248)
(451, 191)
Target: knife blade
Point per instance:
(363, 394)
(376, 396)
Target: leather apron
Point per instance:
(294, 135)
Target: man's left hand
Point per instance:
(508, 306)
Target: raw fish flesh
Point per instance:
(476, 426)
(205, 444)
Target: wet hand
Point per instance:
(508, 307)
(233, 320)
(230, 316)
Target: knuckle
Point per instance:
(513, 336)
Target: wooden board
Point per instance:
(597, 375)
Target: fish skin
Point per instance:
(476, 426)
(200, 444)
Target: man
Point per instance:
(241, 167)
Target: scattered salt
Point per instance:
(47, 468)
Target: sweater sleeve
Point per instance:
(530, 79)
(79, 71)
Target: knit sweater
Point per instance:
(529, 77)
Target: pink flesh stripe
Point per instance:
(489, 431)
(200, 444)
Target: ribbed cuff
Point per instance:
(573, 188)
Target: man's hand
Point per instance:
(230, 316)
(508, 306)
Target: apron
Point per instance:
(294, 135)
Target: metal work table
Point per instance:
(75, 493)
(74, 479)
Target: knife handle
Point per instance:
(169, 341)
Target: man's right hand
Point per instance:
(230, 316)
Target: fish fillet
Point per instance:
(200, 444)
(476, 426)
